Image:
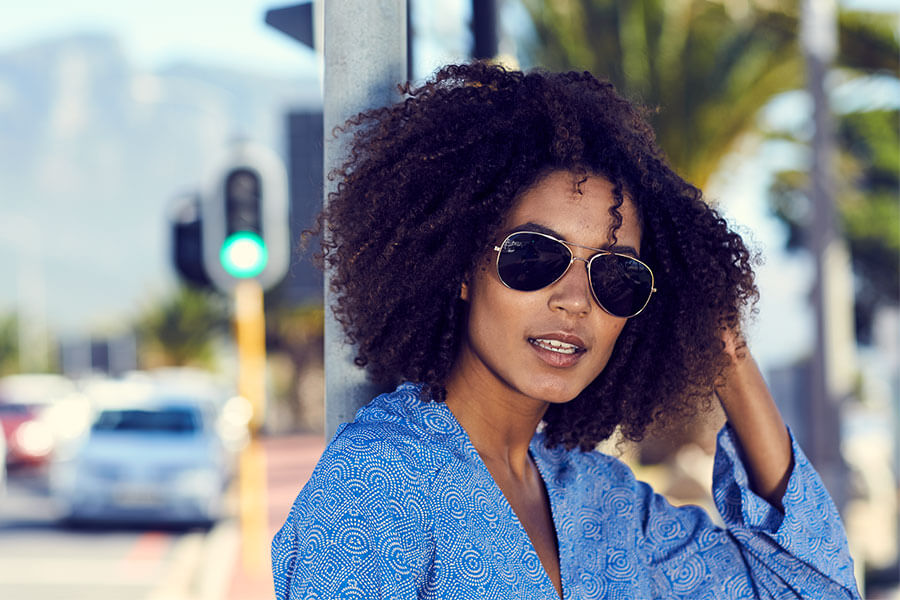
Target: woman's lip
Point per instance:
(560, 360)
(559, 336)
(556, 359)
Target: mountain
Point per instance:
(93, 151)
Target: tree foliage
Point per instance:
(298, 333)
(868, 182)
(181, 329)
(704, 67)
(9, 344)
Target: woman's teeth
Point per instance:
(554, 345)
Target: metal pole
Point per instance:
(410, 34)
(365, 59)
(818, 36)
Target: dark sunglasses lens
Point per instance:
(622, 285)
(528, 262)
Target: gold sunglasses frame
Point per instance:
(587, 266)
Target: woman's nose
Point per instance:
(572, 293)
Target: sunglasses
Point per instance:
(528, 261)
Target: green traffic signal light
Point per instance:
(244, 255)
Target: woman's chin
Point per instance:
(554, 392)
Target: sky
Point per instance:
(157, 32)
(224, 32)
(229, 32)
(233, 32)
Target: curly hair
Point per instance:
(425, 188)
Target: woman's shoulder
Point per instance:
(596, 461)
(586, 476)
(386, 438)
(367, 497)
(362, 446)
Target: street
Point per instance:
(43, 558)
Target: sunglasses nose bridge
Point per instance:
(587, 283)
(587, 266)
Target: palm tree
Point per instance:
(705, 68)
(867, 179)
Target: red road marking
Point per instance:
(145, 556)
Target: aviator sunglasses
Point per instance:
(528, 261)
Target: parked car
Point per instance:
(156, 461)
(2, 465)
(23, 401)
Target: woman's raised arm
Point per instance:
(752, 413)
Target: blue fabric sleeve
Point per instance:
(804, 547)
(762, 552)
(358, 527)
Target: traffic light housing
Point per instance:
(245, 219)
(243, 252)
(186, 241)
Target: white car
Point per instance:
(160, 460)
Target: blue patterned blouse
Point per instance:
(402, 506)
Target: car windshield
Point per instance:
(167, 420)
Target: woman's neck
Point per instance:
(500, 422)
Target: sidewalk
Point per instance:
(289, 462)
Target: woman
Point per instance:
(515, 248)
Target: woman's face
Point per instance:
(510, 338)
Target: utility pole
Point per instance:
(833, 358)
(365, 59)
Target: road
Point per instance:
(42, 558)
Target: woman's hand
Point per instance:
(753, 415)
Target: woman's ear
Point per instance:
(464, 292)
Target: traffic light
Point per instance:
(186, 241)
(243, 253)
(245, 219)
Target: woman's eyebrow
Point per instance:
(624, 250)
(530, 226)
(536, 227)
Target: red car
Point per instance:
(23, 399)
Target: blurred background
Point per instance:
(124, 429)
